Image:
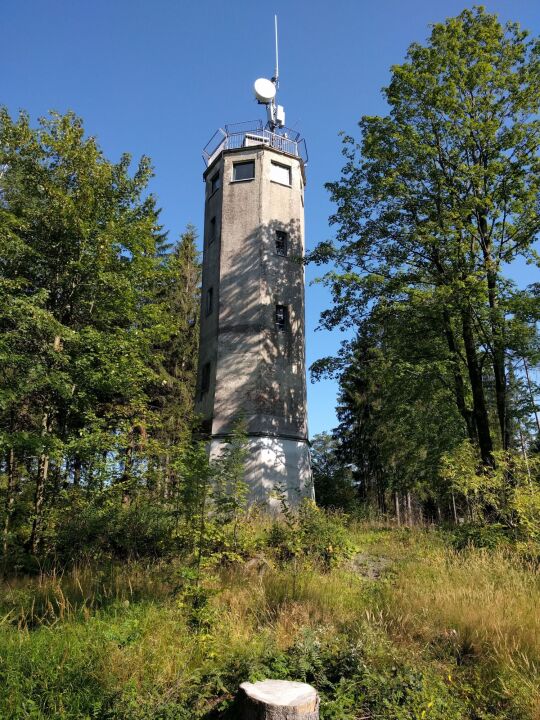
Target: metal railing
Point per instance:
(252, 134)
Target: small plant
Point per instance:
(312, 534)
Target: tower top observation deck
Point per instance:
(252, 134)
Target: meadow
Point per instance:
(397, 623)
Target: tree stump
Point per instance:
(278, 700)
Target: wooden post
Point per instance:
(278, 700)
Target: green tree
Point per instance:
(332, 474)
(87, 317)
(438, 199)
(178, 293)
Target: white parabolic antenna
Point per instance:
(265, 90)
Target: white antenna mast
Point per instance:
(276, 74)
(265, 92)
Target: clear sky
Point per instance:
(158, 77)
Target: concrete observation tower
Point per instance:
(252, 348)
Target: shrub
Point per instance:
(480, 536)
(104, 527)
(312, 533)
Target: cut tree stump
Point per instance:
(278, 700)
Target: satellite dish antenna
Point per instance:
(265, 92)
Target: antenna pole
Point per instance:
(276, 75)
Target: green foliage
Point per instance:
(435, 203)
(332, 476)
(229, 487)
(480, 536)
(508, 493)
(122, 641)
(103, 527)
(311, 534)
(525, 503)
(98, 336)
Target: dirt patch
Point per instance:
(370, 566)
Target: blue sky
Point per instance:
(158, 77)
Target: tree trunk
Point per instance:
(524, 451)
(454, 509)
(477, 387)
(498, 355)
(531, 394)
(10, 500)
(409, 510)
(278, 700)
(77, 468)
(398, 514)
(459, 383)
(41, 480)
(127, 469)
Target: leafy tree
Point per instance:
(332, 475)
(98, 323)
(434, 205)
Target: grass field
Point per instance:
(407, 628)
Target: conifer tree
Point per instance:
(98, 323)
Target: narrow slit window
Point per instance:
(280, 173)
(282, 317)
(281, 243)
(209, 301)
(215, 183)
(244, 170)
(205, 379)
(213, 231)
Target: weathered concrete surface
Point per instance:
(274, 464)
(278, 700)
(256, 370)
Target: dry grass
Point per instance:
(478, 607)
(51, 598)
(489, 599)
(467, 615)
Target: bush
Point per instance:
(526, 505)
(104, 527)
(311, 533)
(480, 536)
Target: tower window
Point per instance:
(213, 231)
(280, 173)
(205, 379)
(282, 317)
(209, 301)
(281, 243)
(215, 183)
(244, 170)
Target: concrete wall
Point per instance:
(275, 465)
(257, 371)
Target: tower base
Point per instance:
(275, 467)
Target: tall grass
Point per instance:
(54, 597)
(439, 634)
(480, 607)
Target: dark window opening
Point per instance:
(281, 243)
(209, 301)
(244, 170)
(213, 231)
(282, 317)
(215, 183)
(205, 379)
